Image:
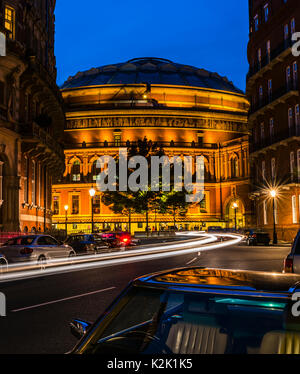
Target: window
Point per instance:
(262, 131)
(272, 129)
(286, 32)
(263, 169)
(140, 225)
(75, 204)
(256, 22)
(297, 119)
(273, 168)
(203, 204)
(266, 12)
(290, 119)
(288, 77)
(292, 165)
(294, 209)
(265, 211)
(96, 204)
(260, 94)
(117, 140)
(269, 50)
(259, 57)
(55, 205)
(295, 75)
(76, 171)
(10, 21)
(234, 167)
(270, 90)
(26, 182)
(293, 26)
(95, 170)
(33, 183)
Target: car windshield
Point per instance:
(156, 321)
(20, 241)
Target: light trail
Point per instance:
(120, 258)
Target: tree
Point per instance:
(174, 203)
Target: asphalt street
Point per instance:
(39, 310)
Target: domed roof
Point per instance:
(151, 70)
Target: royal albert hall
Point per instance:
(186, 110)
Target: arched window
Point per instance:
(95, 171)
(76, 171)
(234, 167)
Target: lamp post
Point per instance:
(235, 206)
(273, 195)
(66, 221)
(92, 194)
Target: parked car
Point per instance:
(39, 248)
(257, 237)
(292, 261)
(215, 229)
(197, 311)
(85, 243)
(3, 263)
(116, 239)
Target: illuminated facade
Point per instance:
(188, 111)
(273, 90)
(31, 115)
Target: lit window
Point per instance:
(256, 22)
(10, 21)
(265, 212)
(273, 168)
(292, 165)
(33, 183)
(76, 171)
(96, 204)
(266, 12)
(75, 204)
(55, 205)
(293, 26)
(294, 209)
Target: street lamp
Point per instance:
(273, 194)
(235, 206)
(66, 222)
(92, 194)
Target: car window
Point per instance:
(158, 313)
(20, 241)
(46, 240)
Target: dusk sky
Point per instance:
(207, 34)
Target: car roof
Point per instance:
(202, 279)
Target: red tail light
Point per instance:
(288, 265)
(26, 251)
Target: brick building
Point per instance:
(273, 90)
(31, 115)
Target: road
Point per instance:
(39, 310)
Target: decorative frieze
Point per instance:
(201, 123)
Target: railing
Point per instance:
(34, 130)
(269, 58)
(268, 141)
(128, 144)
(275, 95)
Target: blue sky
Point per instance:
(209, 34)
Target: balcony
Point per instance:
(33, 133)
(275, 141)
(267, 63)
(160, 144)
(277, 97)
